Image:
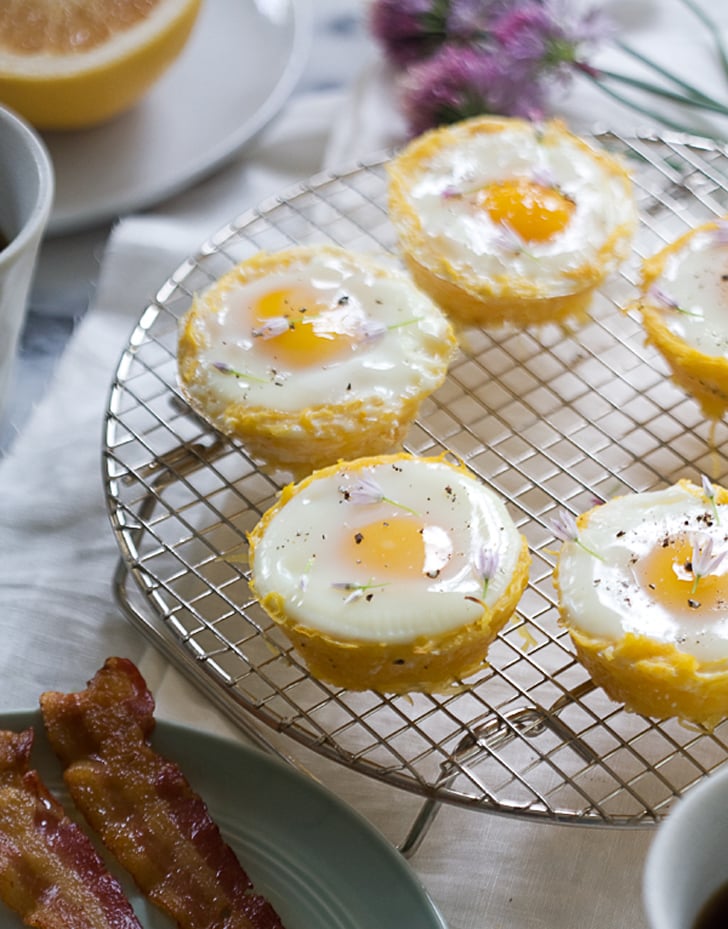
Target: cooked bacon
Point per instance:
(50, 873)
(142, 806)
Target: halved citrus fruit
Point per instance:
(65, 64)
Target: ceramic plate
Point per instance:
(320, 863)
(239, 67)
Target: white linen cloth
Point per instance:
(58, 621)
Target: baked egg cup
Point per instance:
(392, 590)
(683, 304)
(312, 354)
(651, 629)
(502, 220)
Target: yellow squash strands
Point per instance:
(67, 64)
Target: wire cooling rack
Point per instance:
(549, 418)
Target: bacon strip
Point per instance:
(142, 806)
(50, 873)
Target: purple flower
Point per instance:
(664, 301)
(565, 529)
(507, 240)
(720, 233)
(355, 591)
(472, 21)
(458, 83)
(272, 328)
(545, 39)
(224, 368)
(703, 561)
(662, 298)
(525, 33)
(413, 30)
(563, 526)
(365, 491)
(709, 494)
(408, 30)
(485, 563)
(372, 329)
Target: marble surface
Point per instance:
(68, 266)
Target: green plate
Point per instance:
(320, 863)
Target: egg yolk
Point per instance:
(534, 211)
(667, 573)
(298, 329)
(399, 547)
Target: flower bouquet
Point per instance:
(459, 58)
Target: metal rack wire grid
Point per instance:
(549, 418)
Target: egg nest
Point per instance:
(658, 673)
(417, 619)
(313, 354)
(501, 220)
(701, 373)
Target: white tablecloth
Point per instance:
(58, 621)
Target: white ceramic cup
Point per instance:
(687, 861)
(26, 198)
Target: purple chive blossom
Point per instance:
(372, 329)
(545, 177)
(663, 300)
(507, 240)
(720, 233)
(366, 491)
(408, 30)
(703, 561)
(472, 20)
(593, 28)
(564, 527)
(458, 83)
(356, 591)
(533, 42)
(272, 328)
(545, 39)
(709, 494)
(486, 563)
(224, 368)
(524, 34)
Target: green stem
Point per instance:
(689, 89)
(714, 30)
(704, 104)
(679, 127)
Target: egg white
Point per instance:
(597, 574)
(299, 556)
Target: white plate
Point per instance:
(320, 863)
(239, 67)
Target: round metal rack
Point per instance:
(550, 418)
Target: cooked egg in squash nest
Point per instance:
(684, 309)
(313, 354)
(643, 592)
(502, 220)
(392, 573)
